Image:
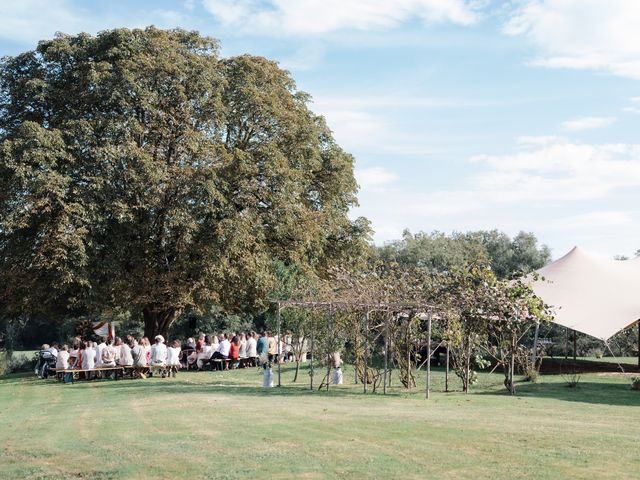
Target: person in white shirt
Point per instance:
(53, 349)
(252, 351)
(108, 354)
(62, 362)
(243, 349)
(173, 357)
(98, 352)
(223, 349)
(125, 359)
(88, 358)
(158, 352)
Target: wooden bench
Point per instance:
(60, 372)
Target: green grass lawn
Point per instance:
(224, 425)
(622, 360)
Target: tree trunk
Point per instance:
(158, 321)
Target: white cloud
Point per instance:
(373, 178)
(313, 17)
(582, 34)
(565, 172)
(32, 20)
(539, 188)
(539, 140)
(587, 123)
(589, 220)
(354, 129)
(28, 21)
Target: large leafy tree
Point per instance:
(140, 170)
(437, 251)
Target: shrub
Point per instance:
(4, 363)
(635, 383)
(572, 379)
(597, 352)
(14, 363)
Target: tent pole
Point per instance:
(566, 344)
(639, 345)
(534, 353)
(575, 346)
(428, 354)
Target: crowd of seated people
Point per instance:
(237, 350)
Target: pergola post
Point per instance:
(512, 366)
(428, 354)
(386, 352)
(279, 343)
(329, 345)
(446, 370)
(313, 331)
(366, 348)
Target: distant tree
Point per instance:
(441, 252)
(139, 170)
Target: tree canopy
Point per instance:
(438, 251)
(138, 169)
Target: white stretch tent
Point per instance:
(591, 295)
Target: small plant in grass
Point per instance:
(531, 375)
(572, 379)
(635, 383)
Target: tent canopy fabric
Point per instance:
(591, 295)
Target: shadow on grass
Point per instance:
(591, 392)
(602, 393)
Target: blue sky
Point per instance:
(479, 114)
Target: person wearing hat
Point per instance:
(159, 352)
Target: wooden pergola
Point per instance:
(366, 308)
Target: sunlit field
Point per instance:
(225, 425)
